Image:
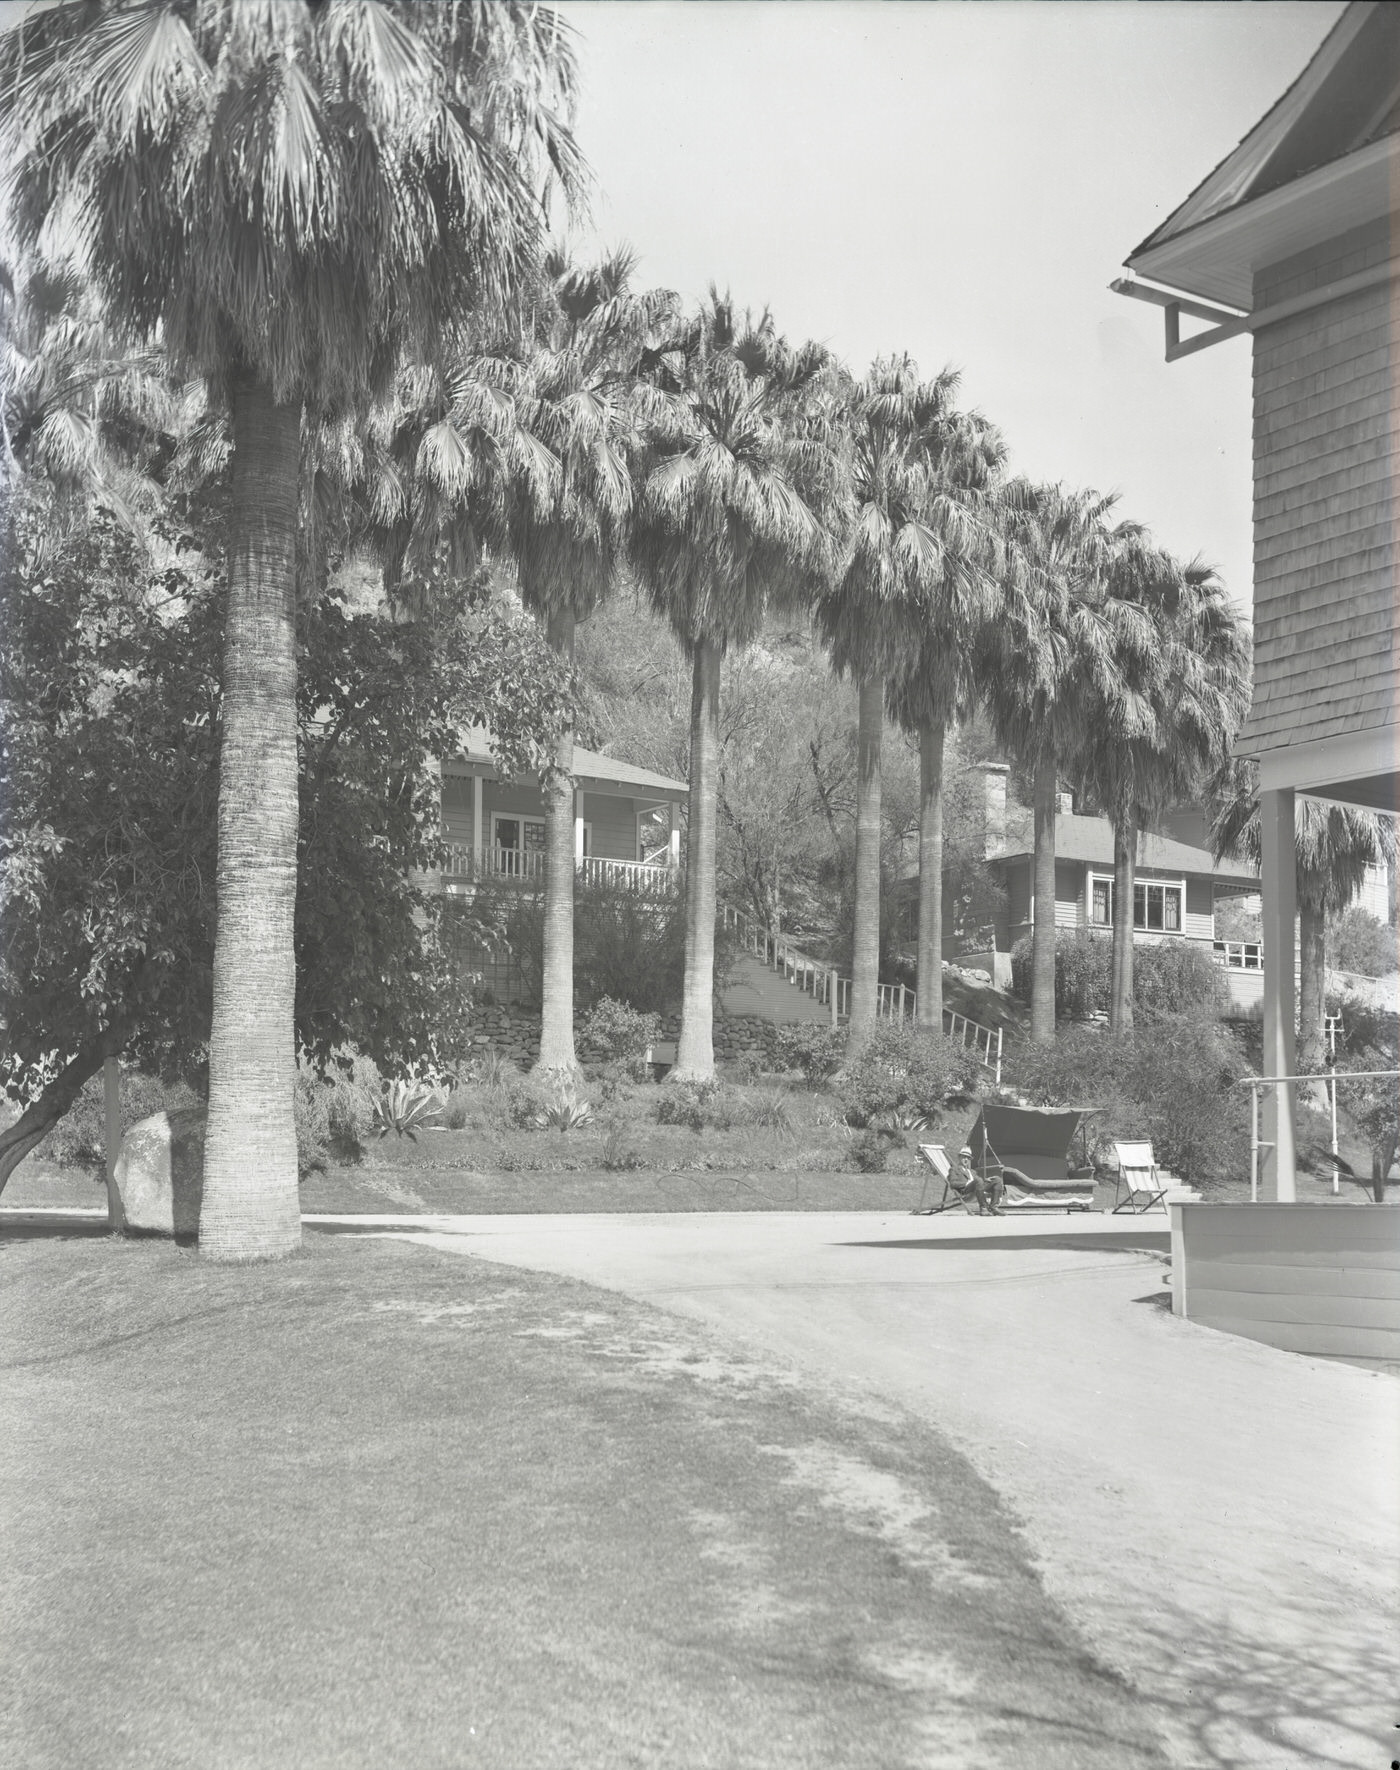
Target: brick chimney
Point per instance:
(994, 777)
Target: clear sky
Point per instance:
(960, 179)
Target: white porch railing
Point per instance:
(528, 864)
(645, 876)
(893, 1001)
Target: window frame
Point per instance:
(1174, 885)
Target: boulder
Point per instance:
(160, 1173)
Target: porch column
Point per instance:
(578, 828)
(1278, 896)
(476, 823)
(675, 849)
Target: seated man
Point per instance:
(968, 1183)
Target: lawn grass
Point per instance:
(381, 1506)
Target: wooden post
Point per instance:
(675, 848)
(112, 1130)
(1279, 900)
(833, 992)
(476, 824)
(578, 828)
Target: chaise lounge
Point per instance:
(1029, 1147)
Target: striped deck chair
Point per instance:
(1140, 1186)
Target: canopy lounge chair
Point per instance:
(1029, 1146)
(935, 1158)
(1140, 1186)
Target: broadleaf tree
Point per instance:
(109, 685)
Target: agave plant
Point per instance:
(406, 1108)
(565, 1111)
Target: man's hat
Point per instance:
(966, 1149)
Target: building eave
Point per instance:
(1216, 259)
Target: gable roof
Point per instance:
(1318, 163)
(1090, 839)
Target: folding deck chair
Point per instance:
(935, 1158)
(1138, 1179)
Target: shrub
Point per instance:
(1357, 941)
(490, 1068)
(1177, 977)
(1171, 1083)
(703, 1106)
(622, 1153)
(564, 1110)
(870, 1153)
(747, 1067)
(906, 1070)
(622, 1034)
(816, 1051)
(1083, 972)
(765, 1109)
(1169, 977)
(335, 1110)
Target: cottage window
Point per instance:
(1157, 905)
(519, 843)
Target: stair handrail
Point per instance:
(893, 1001)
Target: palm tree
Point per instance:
(1334, 845)
(288, 199)
(937, 679)
(1181, 687)
(910, 540)
(723, 530)
(1047, 661)
(589, 339)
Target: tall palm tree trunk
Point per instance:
(1124, 883)
(865, 944)
(1043, 926)
(251, 1208)
(1312, 983)
(557, 996)
(930, 949)
(695, 1049)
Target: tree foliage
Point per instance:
(109, 679)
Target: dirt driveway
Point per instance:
(1221, 1520)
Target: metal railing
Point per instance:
(1330, 1077)
(893, 1001)
(528, 864)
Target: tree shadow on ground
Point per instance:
(1262, 1693)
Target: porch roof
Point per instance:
(590, 766)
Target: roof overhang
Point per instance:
(1216, 260)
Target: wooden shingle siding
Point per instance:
(1326, 442)
(1323, 1279)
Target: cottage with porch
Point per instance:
(627, 823)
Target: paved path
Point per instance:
(1221, 1519)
